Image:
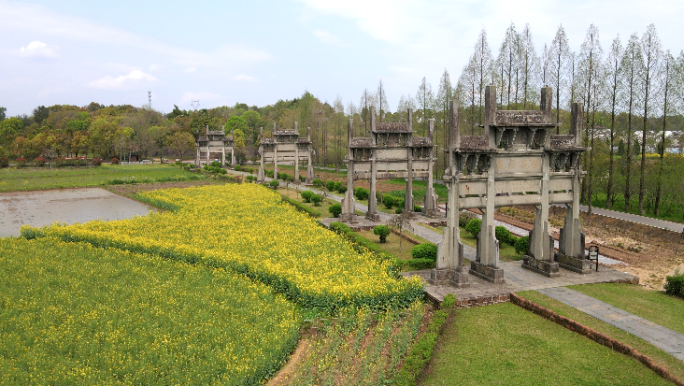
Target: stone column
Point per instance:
(223, 153)
(540, 258)
(572, 239)
(296, 164)
(309, 163)
(490, 115)
(348, 203)
(450, 250)
(232, 148)
(372, 213)
(261, 176)
(197, 158)
(487, 259)
(275, 153)
(408, 196)
(430, 207)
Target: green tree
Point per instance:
(182, 143)
(383, 231)
(3, 110)
(253, 122)
(236, 123)
(9, 129)
(160, 137)
(239, 144)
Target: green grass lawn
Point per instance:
(661, 357)
(507, 345)
(419, 188)
(392, 245)
(12, 179)
(656, 306)
(673, 213)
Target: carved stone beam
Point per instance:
(531, 138)
(501, 132)
(515, 134)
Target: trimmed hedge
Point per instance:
(421, 351)
(473, 227)
(424, 251)
(335, 209)
(522, 245)
(302, 208)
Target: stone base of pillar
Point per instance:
(373, 216)
(435, 213)
(410, 214)
(452, 277)
(574, 264)
(349, 218)
(486, 272)
(542, 267)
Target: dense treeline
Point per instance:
(631, 91)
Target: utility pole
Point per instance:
(149, 99)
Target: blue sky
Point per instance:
(257, 52)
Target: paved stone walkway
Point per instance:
(665, 339)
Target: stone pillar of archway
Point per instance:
(261, 175)
(348, 203)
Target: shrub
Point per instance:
(21, 161)
(269, 173)
(317, 182)
(361, 193)
(249, 170)
(274, 184)
(383, 231)
(335, 210)
(250, 178)
(424, 251)
(465, 217)
(399, 210)
(316, 199)
(302, 179)
(330, 185)
(216, 164)
(675, 284)
(39, 161)
(389, 201)
(306, 195)
(473, 226)
(237, 168)
(96, 161)
(342, 189)
(283, 176)
(504, 235)
(417, 208)
(115, 161)
(522, 245)
(4, 162)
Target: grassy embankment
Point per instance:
(507, 345)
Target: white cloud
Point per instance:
(38, 49)
(245, 78)
(135, 77)
(327, 37)
(201, 96)
(190, 70)
(154, 67)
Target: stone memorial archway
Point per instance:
(286, 147)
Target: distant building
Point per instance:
(213, 147)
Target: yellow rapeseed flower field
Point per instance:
(74, 314)
(248, 229)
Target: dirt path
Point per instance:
(650, 253)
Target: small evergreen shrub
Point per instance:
(21, 161)
(306, 195)
(675, 284)
(316, 199)
(389, 201)
(335, 210)
(269, 173)
(342, 189)
(249, 170)
(473, 226)
(238, 168)
(522, 245)
(317, 182)
(424, 251)
(417, 208)
(361, 193)
(274, 184)
(504, 235)
(215, 164)
(399, 210)
(465, 216)
(331, 185)
(383, 231)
